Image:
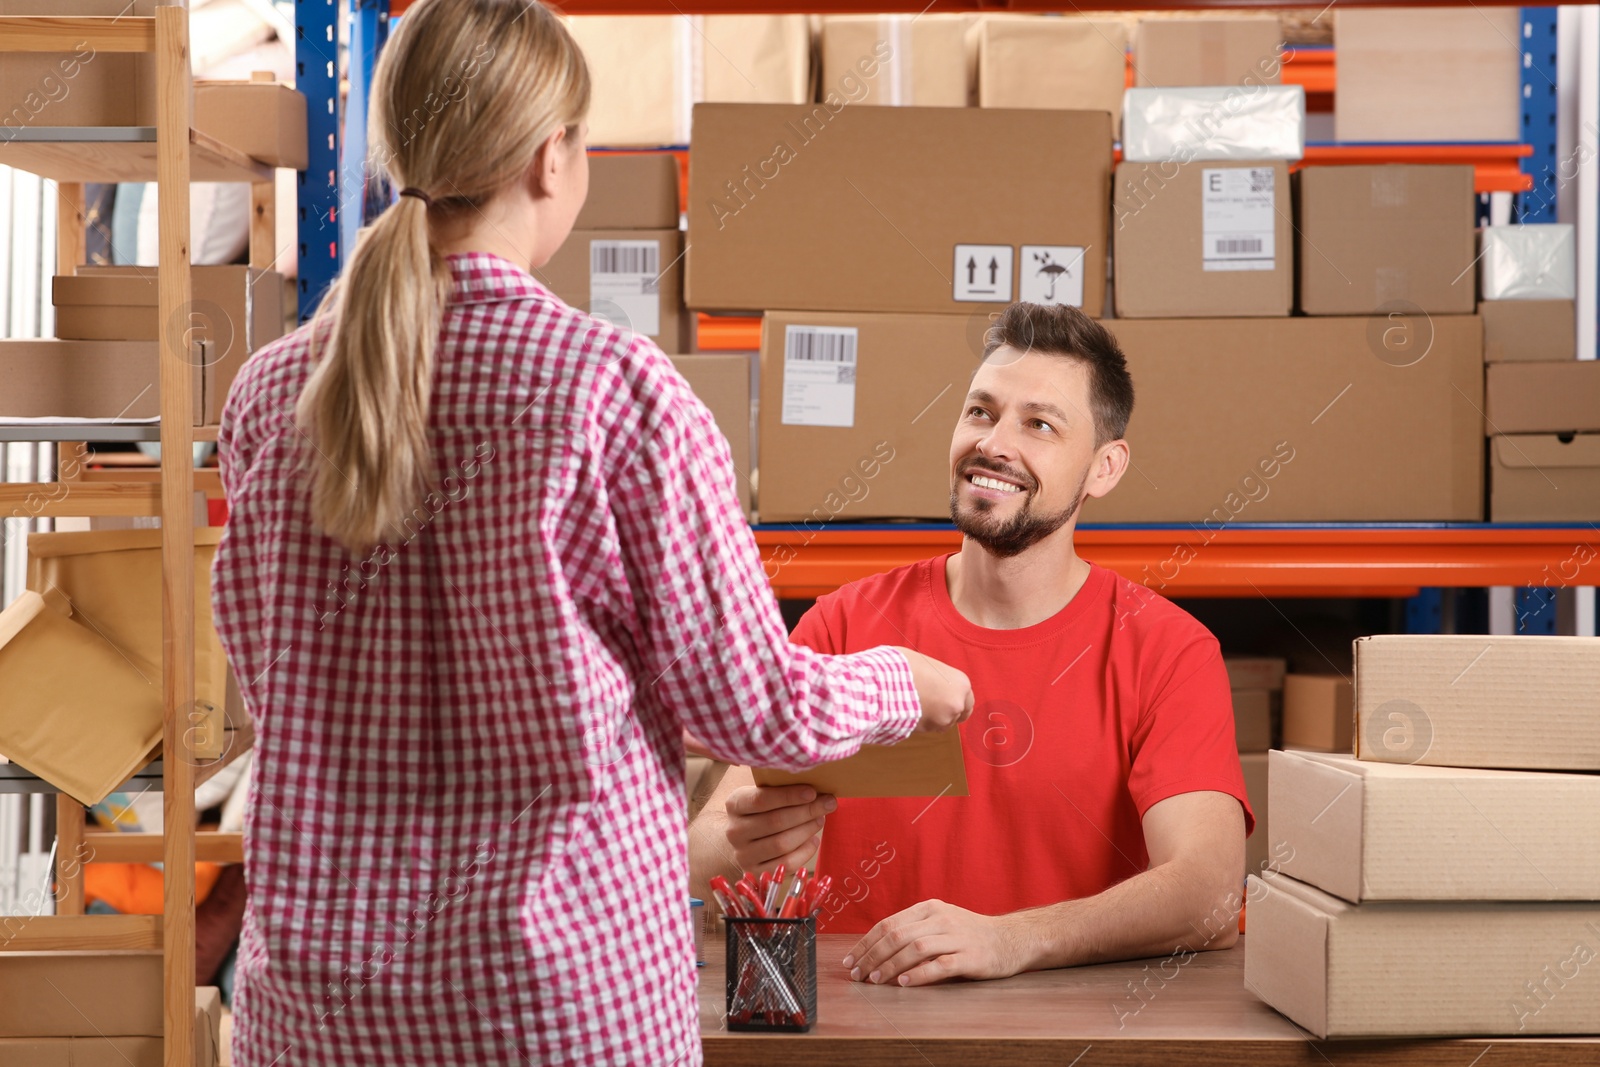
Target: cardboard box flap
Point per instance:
(1286, 951)
(1536, 451)
(1317, 816)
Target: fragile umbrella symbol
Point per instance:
(1052, 270)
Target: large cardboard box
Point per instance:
(1256, 672)
(52, 379)
(263, 120)
(1256, 846)
(1478, 701)
(630, 278)
(1381, 239)
(857, 413)
(1464, 86)
(82, 87)
(1202, 239)
(1300, 420)
(1207, 51)
(80, 994)
(896, 209)
(630, 191)
(1413, 970)
(1528, 331)
(722, 382)
(920, 60)
(1381, 831)
(1561, 396)
(1030, 61)
(1252, 719)
(1318, 712)
(1544, 478)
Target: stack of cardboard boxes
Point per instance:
(1445, 880)
(1257, 684)
(93, 1009)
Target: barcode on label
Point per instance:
(617, 257)
(1232, 246)
(816, 344)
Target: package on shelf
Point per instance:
(1256, 672)
(1419, 969)
(899, 60)
(896, 209)
(1169, 53)
(1561, 396)
(1241, 122)
(1528, 262)
(1202, 239)
(630, 278)
(262, 119)
(1428, 74)
(1516, 702)
(1318, 712)
(1033, 61)
(1376, 240)
(101, 1049)
(648, 71)
(1227, 430)
(1252, 719)
(1544, 478)
(1256, 853)
(722, 382)
(83, 87)
(53, 379)
(630, 191)
(1528, 331)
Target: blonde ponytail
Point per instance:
(464, 95)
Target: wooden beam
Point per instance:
(34, 33)
(112, 847)
(207, 480)
(69, 855)
(263, 224)
(39, 500)
(79, 933)
(71, 250)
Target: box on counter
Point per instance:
(1528, 262)
(262, 119)
(844, 434)
(1171, 53)
(1318, 712)
(1389, 238)
(1256, 850)
(1460, 700)
(722, 382)
(1214, 123)
(1029, 61)
(1464, 86)
(1528, 331)
(630, 278)
(1544, 478)
(896, 209)
(1202, 240)
(630, 191)
(81, 994)
(1381, 831)
(1417, 969)
(900, 60)
(83, 87)
(1252, 719)
(1561, 396)
(1256, 672)
(1227, 430)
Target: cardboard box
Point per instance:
(207, 1026)
(263, 120)
(1202, 240)
(1464, 86)
(722, 382)
(874, 209)
(1386, 238)
(1278, 420)
(1206, 51)
(1528, 331)
(872, 444)
(630, 191)
(1380, 831)
(1562, 396)
(1256, 672)
(85, 380)
(1477, 701)
(1028, 61)
(1318, 712)
(1254, 765)
(80, 994)
(111, 1051)
(630, 278)
(1214, 123)
(1544, 478)
(1252, 719)
(919, 60)
(84, 87)
(1528, 262)
(1413, 970)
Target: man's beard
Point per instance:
(1014, 535)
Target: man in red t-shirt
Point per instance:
(1106, 813)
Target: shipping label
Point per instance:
(625, 284)
(1238, 218)
(819, 376)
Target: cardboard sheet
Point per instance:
(923, 765)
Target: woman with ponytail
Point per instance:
(485, 564)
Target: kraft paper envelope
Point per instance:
(923, 765)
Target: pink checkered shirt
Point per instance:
(466, 842)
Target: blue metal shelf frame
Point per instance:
(1539, 114)
(316, 60)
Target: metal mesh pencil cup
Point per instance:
(772, 974)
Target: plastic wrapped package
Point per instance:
(1532, 262)
(1243, 122)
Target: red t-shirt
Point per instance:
(1082, 722)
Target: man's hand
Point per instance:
(773, 824)
(934, 941)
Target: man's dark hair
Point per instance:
(1060, 330)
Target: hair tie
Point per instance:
(412, 190)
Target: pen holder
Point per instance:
(772, 974)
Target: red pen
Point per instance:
(796, 898)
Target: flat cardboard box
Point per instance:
(873, 209)
(1202, 239)
(80, 994)
(1252, 719)
(262, 119)
(923, 765)
(1254, 765)
(1207, 51)
(1389, 238)
(1561, 396)
(1382, 831)
(83, 87)
(1519, 702)
(50, 379)
(914, 60)
(650, 260)
(1318, 712)
(1029, 61)
(1528, 331)
(1464, 86)
(1226, 429)
(1544, 478)
(722, 382)
(1417, 970)
(630, 191)
(1256, 672)
(1536, 261)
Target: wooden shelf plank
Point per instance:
(121, 154)
(39, 500)
(79, 933)
(52, 33)
(210, 847)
